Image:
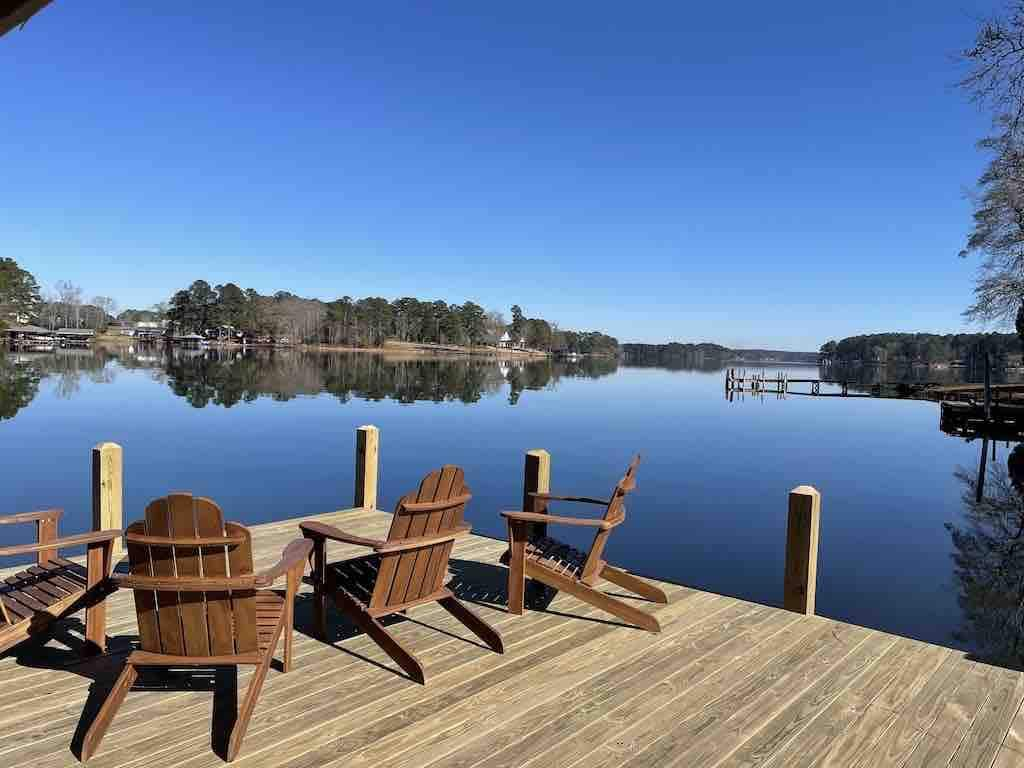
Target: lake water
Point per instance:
(271, 435)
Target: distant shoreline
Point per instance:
(400, 347)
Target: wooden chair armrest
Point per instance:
(431, 506)
(401, 545)
(29, 517)
(93, 537)
(294, 557)
(313, 530)
(580, 499)
(542, 517)
(184, 584)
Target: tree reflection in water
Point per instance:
(229, 377)
(19, 384)
(988, 560)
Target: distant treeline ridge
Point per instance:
(676, 353)
(920, 347)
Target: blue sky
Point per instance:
(750, 173)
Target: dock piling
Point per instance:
(802, 550)
(536, 479)
(367, 455)
(108, 491)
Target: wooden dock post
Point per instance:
(802, 549)
(367, 450)
(108, 491)
(536, 479)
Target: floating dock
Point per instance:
(726, 683)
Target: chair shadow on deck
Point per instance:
(480, 584)
(60, 650)
(487, 585)
(221, 681)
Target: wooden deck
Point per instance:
(727, 683)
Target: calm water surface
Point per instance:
(271, 436)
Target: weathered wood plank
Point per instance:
(632, 727)
(992, 722)
(943, 739)
(546, 727)
(483, 702)
(913, 722)
(723, 724)
(857, 744)
(777, 731)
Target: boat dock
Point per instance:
(726, 683)
(760, 383)
(740, 382)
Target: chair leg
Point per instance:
(289, 619)
(98, 568)
(380, 636)
(105, 716)
(96, 628)
(473, 623)
(633, 584)
(596, 598)
(318, 575)
(517, 533)
(252, 693)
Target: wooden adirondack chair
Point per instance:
(533, 554)
(53, 588)
(199, 604)
(408, 569)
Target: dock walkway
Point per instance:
(726, 683)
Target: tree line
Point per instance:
(921, 347)
(367, 322)
(226, 310)
(22, 301)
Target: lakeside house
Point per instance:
(143, 330)
(507, 342)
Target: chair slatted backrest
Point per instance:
(614, 513)
(436, 509)
(203, 623)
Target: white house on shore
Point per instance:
(507, 342)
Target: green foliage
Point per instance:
(676, 354)
(588, 343)
(139, 316)
(472, 318)
(923, 347)
(19, 293)
(518, 322)
(196, 309)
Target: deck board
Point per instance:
(726, 683)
